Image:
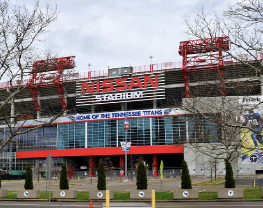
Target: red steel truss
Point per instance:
(209, 57)
(48, 73)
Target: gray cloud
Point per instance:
(120, 33)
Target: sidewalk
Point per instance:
(88, 184)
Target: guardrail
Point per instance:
(167, 66)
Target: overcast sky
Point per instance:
(119, 33)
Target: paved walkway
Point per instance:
(114, 184)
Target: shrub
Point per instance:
(141, 178)
(185, 177)
(28, 178)
(63, 183)
(101, 183)
(230, 181)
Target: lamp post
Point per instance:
(89, 64)
(151, 57)
(126, 124)
(151, 66)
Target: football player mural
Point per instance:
(251, 137)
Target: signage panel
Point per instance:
(251, 137)
(105, 116)
(122, 89)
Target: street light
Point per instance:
(89, 64)
(151, 57)
(151, 66)
(126, 124)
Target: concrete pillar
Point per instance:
(155, 166)
(12, 113)
(65, 98)
(93, 109)
(91, 165)
(38, 112)
(154, 104)
(122, 106)
(38, 115)
(122, 166)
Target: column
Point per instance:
(12, 113)
(66, 101)
(155, 166)
(122, 166)
(154, 104)
(91, 165)
(122, 107)
(93, 109)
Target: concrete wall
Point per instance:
(201, 162)
(200, 158)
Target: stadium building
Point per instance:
(121, 115)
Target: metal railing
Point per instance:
(167, 66)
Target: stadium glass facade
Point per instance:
(109, 133)
(153, 131)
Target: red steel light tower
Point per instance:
(48, 73)
(209, 57)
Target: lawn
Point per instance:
(252, 193)
(165, 195)
(207, 195)
(211, 183)
(123, 196)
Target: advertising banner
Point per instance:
(251, 136)
(107, 116)
(138, 87)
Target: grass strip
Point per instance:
(45, 195)
(211, 183)
(82, 196)
(252, 193)
(122, 196)
(11, 195)
(249, 194)
(165, 195)
(207, 195)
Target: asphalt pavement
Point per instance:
(113, 184)
(118, 184)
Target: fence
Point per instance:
(167, 173)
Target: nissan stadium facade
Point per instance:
(125, 114)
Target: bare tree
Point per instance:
(242, 22)
(218, 128)
(220, 131)
(20, 29)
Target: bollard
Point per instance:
(153, 198)
(107, 199)
(90, 204)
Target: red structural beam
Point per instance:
(163, 149)
(204, 45)
(41, 77)
(208, 57)
(53, 64)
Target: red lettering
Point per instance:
(120, 83)
(84, 85)
(133, 84)
(149, 79)
(107, 85)
(98, 86)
